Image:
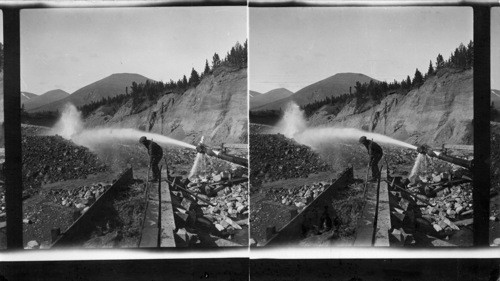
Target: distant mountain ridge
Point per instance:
(110, 86)
(269, 97)
(25, 96)
(495, 98)
(46, 98)
(254, 94)
(335, 85)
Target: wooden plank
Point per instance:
(365, 229)
(149, 238)
(167, 221)
(152, 211)
(150, 227)
(383, 217)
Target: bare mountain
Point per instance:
(335, 85)
(110, 86)
(269, 97)
(254, 94)
(26, 96)
(46, 98)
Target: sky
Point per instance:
(495, 47)
(295, 47)
(71, 48)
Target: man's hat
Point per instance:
(143, 139)
(362, 139)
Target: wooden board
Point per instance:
(167, 222)
(366, 224)
(383, 217)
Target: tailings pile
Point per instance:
(57, 207)
(275, 207)
(434, 207)
(275, 157)
(119, 222)
(217, 215)
(48, 159)
(297, 196)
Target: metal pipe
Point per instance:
(201, 148)
(468, 164)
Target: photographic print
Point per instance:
(361, 128)
(134, 127)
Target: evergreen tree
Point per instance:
(207, 68)
(194, 80)
(439, 62)
(418, 79)
(184, 82)
(431, 69)
(470, 54)
(215, 61)
(408, 82)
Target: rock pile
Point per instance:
(275, 157)
(80, 198)
(225, 216)
(299, 196)
(452, 204)
(399, 156)
(48, 159)
(438, 202)
(231, 210)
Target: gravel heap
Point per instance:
(231, 205)
(454, 203)
(275, 157)
(445, 193)
(81, 197)
(48, 159)
(298, 196)
(225, 217)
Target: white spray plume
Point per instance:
(70, 126)
(70, 122)
(293, 121)
(315, 136)
(196, 164)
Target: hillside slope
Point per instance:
(46, 98)
(269, 97)
(438, 112)
(110, 86)
(335, 85)
(216, 109)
